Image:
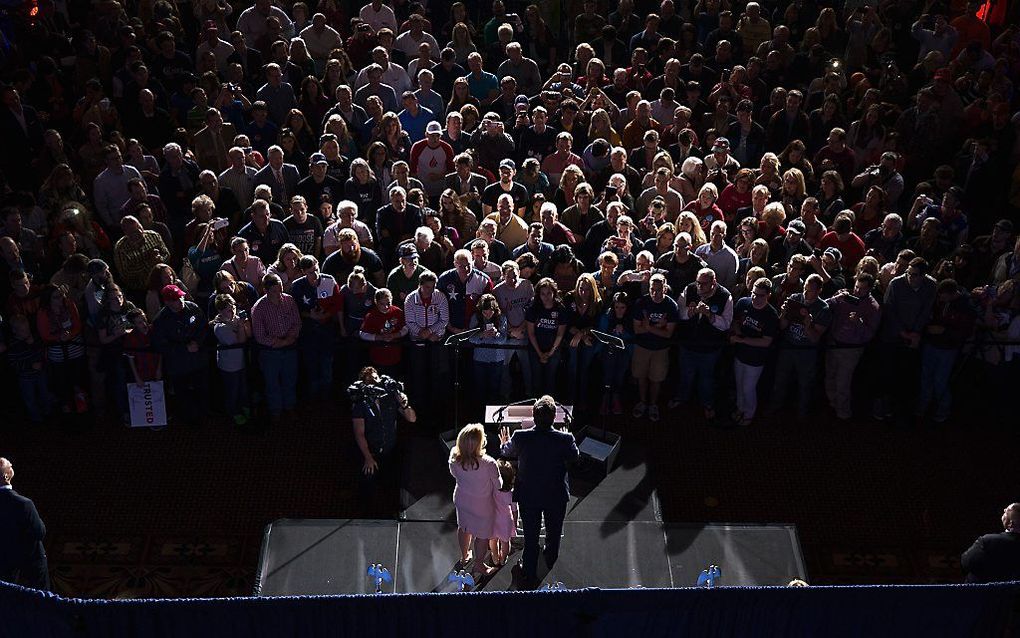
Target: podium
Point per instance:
(515, 416)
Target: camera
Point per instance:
(361, 392)
(611, 191)
(218, 222)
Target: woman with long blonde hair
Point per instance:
(687, 222)
(585, 307)
(474, 495)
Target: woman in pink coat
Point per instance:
(474, 495)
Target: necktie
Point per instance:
(283, 187)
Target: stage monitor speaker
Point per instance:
(598, 447)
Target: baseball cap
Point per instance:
(796, 226)
(834, 252)
(407, 251)
(521, 99)
(97, 266)
(1004, 225)
(171, 292)
(508, 163)
(721, 144)
(433, 128)
(318, 158)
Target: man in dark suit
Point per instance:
(467, 184)
(996, 557)
(22, 557)
(282, 178)
(541, 490)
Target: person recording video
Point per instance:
(377, 400)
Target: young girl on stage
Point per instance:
(505, 526)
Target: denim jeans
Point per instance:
(522, 355)
(543, 375)
(615, 367)
(279, 369)
(191, 390)
(317, 360)
(799, 363)
(578, 368)
(488, 377)
(116, 385)
(698, 367)
(36, 395)
(936, 368)
(235, 391)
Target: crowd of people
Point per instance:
(238, 200)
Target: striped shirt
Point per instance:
(271, 321)
(243, 184)
(418, 315)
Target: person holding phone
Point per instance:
(488, 361)
(855, 320)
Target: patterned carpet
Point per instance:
(180, 512)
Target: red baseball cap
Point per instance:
(171, 291)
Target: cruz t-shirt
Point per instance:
(753, 324)
(653, 313)
(547, 322)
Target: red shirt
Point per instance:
(852, 248)
(378, 323)
(137, 345)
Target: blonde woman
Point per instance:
(602, 127)
(286, 265)
(664, 159)
(768, 174)
(478, 481)
(687, 222)
(794, 191)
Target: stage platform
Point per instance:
(614, 537)
(313, 557)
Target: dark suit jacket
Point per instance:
(291, 177)
(391, 228)
(452, 180)
(542, 458)
(204, 146)
(993, 558)
(22, 557)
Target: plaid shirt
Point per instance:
(272, 321)
(134, 262)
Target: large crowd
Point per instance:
(240, 200)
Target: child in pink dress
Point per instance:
(505, 526)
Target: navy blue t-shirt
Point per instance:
(547, 322)
(754, 323)
(652, 313)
